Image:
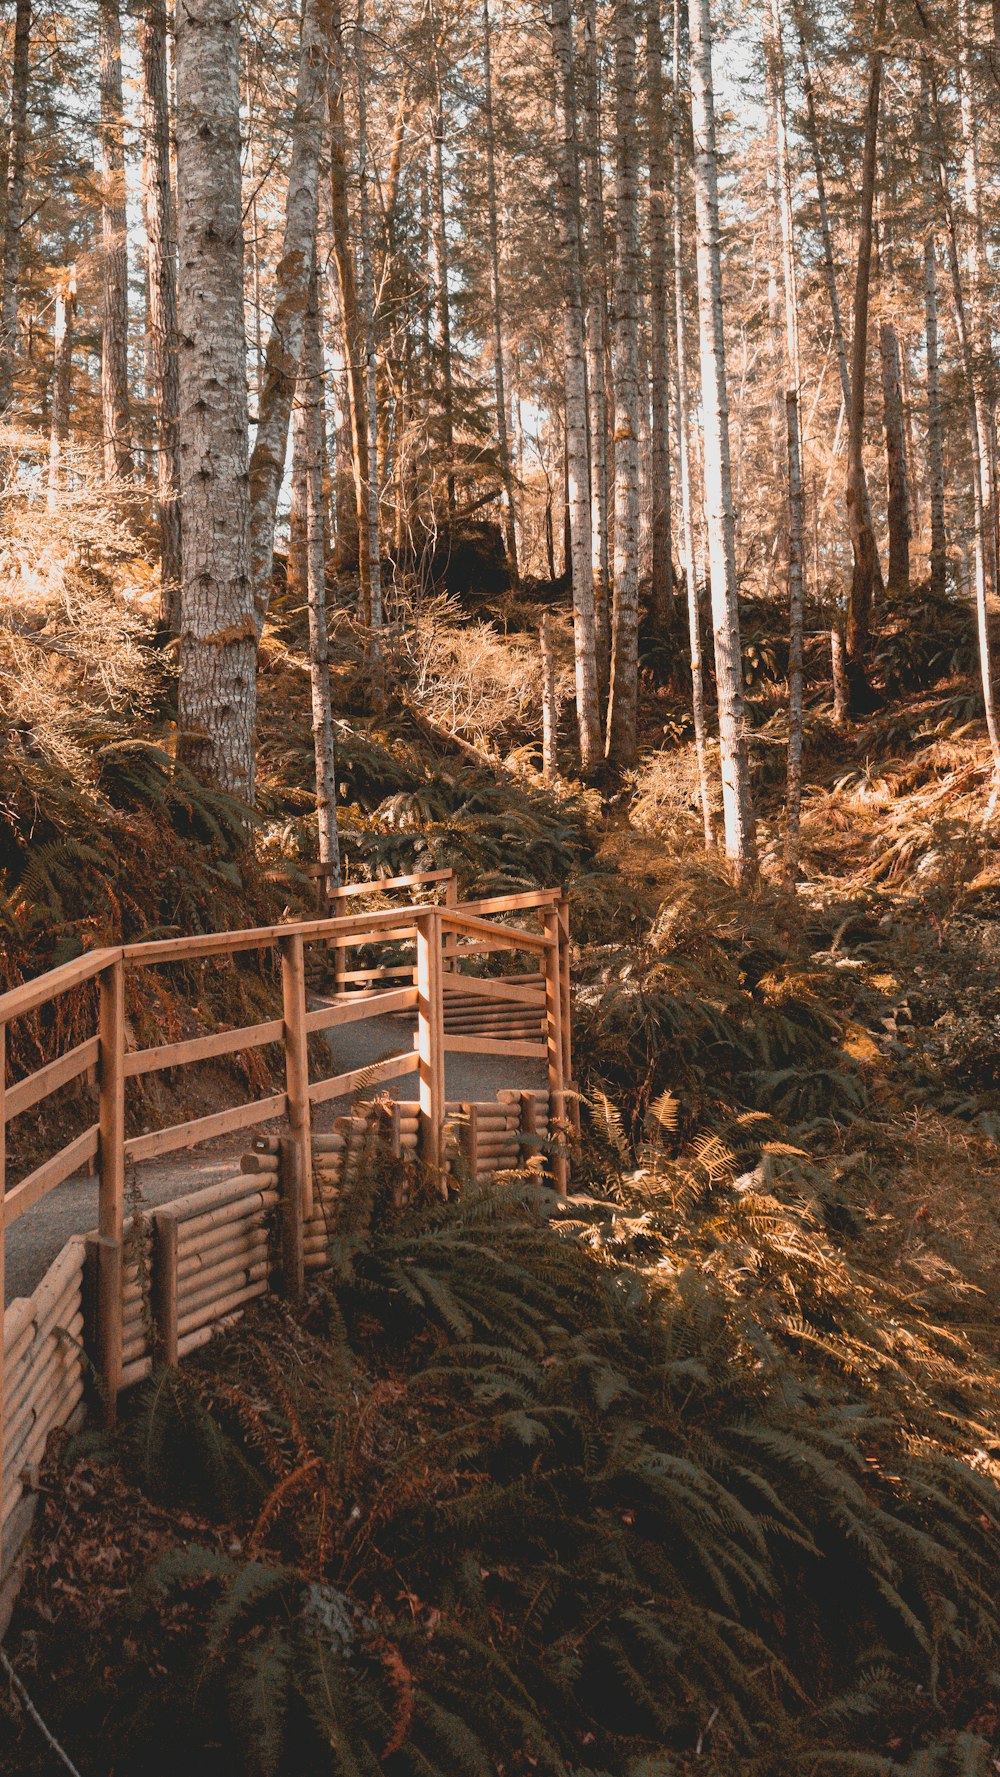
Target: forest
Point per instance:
(540, 459)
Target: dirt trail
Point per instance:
(34, 1241)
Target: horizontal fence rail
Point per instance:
(443, 965)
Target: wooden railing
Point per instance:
(437, 954)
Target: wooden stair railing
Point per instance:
(445, 941)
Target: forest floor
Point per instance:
(710, 1482)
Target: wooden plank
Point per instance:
(165, 1286)
(481, 987)
(430, 1052)
(386, 974)
(188, 1135)
(539, 898)
(495, 1046)
(554, 1049)
(208, 944)
(293, 990)
(34, 1087)
(32, 994)
(220, 1042)
(380, 883)
(393, 1067)
(51, 1173)
(361, 1005)
(499, 937)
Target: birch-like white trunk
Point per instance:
(312, 428)
(115, 406)
(372, 488)
(161, 263)
(596, 283)
(737, 800)
(61, 386)
(217, 698)
(284, 346)
(623, 703)
(550, 706)
(661, 566)
(684, 453)
(496, 303)
(575, 384)
(10, 268)
(935, 432)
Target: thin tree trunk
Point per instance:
(737, 801)
(17, 153)
(984, 538)
(796, 604)
(439, 238)
(684, 454)
(217, 700)
(596, 289)
(296, 563)
(578, 467)
(895, 447)
(935, 435)
(978, 318)
(662, 587)
(496, 304)
(312, 433)
(292, 278)
(61, 392)
(372, 489)
(550, 706)
(623, 704)
(859, 608)
(353, 331)
(115, 411)
(161, 254)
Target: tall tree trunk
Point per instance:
(292, 283)
(217, 702)
(61, 391)
(372, 489)
(984, 539)
(662, 589)
(684, 454)
(17, 153)
(859, 607)
(550, 706)
(978, 318)
(499, 390)
(353, 331)
(115, 412)
(296, 564)
(575, 382)
(623, 705)
(793, 432)
(596, 291)
(344, 491)
(829, 269)
(895, 448)
(439, 240)
(312, 433)
(161, 254)
(737, 801)
(935, 434)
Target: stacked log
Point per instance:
(43, 1369)
(137, 1341)
(220, 1253)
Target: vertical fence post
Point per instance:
(450, 938)
(555, 1053)
(293, 1277)
(430, 1040)
(293, 992)
(111, 1187)
(573, 1107)
(165, 1285)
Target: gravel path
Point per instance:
(35, 1240)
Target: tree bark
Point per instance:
(218, 693)
(496, 303)
(623, 705)
(684, 455)
(292, 284)
(796, 605)
(61, 388)
(312, 432)
(895, 449)
(978, 318)
(17, 154)
(575, 382)
(161, 255)
(935, 434)
(859, 607)
(439, 241)
(662, 585)
(115, 409)
(596, 291)
(373, 612)
(353, 332)
(550, 706)
(737, 801)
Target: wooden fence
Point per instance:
(159, 1284)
